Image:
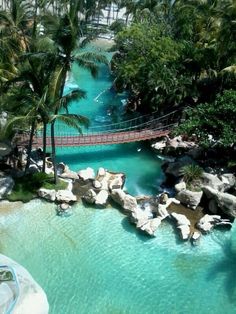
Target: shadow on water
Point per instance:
(89, 156)
(227, 267)
(132, 229)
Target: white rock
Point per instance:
(180, 186)
(227, 202)
(65, 196)
(181, 219)
(185, 231)
(97, 184)
(229, 180)
(196, 235)
(65, 206)
(101, 172)
(127, 201)
(151, 226)
(32, 299)
(189, 198)
(101, 198)
(212, 180)
(86, 174)
(207, 222)
(47, 194)
(162, 211)
(139, 217)
(159, 145)
(209, 192)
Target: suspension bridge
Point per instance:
(137, 129)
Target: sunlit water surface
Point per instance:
(96, 262)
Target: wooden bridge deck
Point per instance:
(102, 139)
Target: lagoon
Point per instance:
(95, 261)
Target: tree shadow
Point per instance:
(226, 266)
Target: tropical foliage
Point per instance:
(39, 42)
(213, 123)
(181, 54)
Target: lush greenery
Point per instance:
(25, 188)
(191, 173)
(179, 54)
(39, 42)
(213, 123)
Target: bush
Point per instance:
(191, 173)
(25, 188)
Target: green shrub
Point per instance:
(191, 173)
(25, 188)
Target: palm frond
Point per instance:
(93, 57)
(72, 120)
(89, 65)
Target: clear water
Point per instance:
(96, 262)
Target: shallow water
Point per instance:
(96, 262)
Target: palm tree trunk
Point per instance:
(29, 149)
(44, 145)
(54, 152)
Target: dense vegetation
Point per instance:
(179, 54)
(38, 43)
(174, 54)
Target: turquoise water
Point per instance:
(96, 262)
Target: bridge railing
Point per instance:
(143, 122)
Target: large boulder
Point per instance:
(101, 198)
(6, 186)
(32, 299)
(208, 179)
(126, 201)
(180, 186)
(189, 198)
(180, 219)
(49, 195)
(229, 180)
(227, 202)
(139, 217)
(110, 180)
(151, 225)
(207, 222)
(90, 196)
(184, 231)
(183, 225)
(86, 174)
(65, 196)
(174, 169)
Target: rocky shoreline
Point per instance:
(209, 202)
